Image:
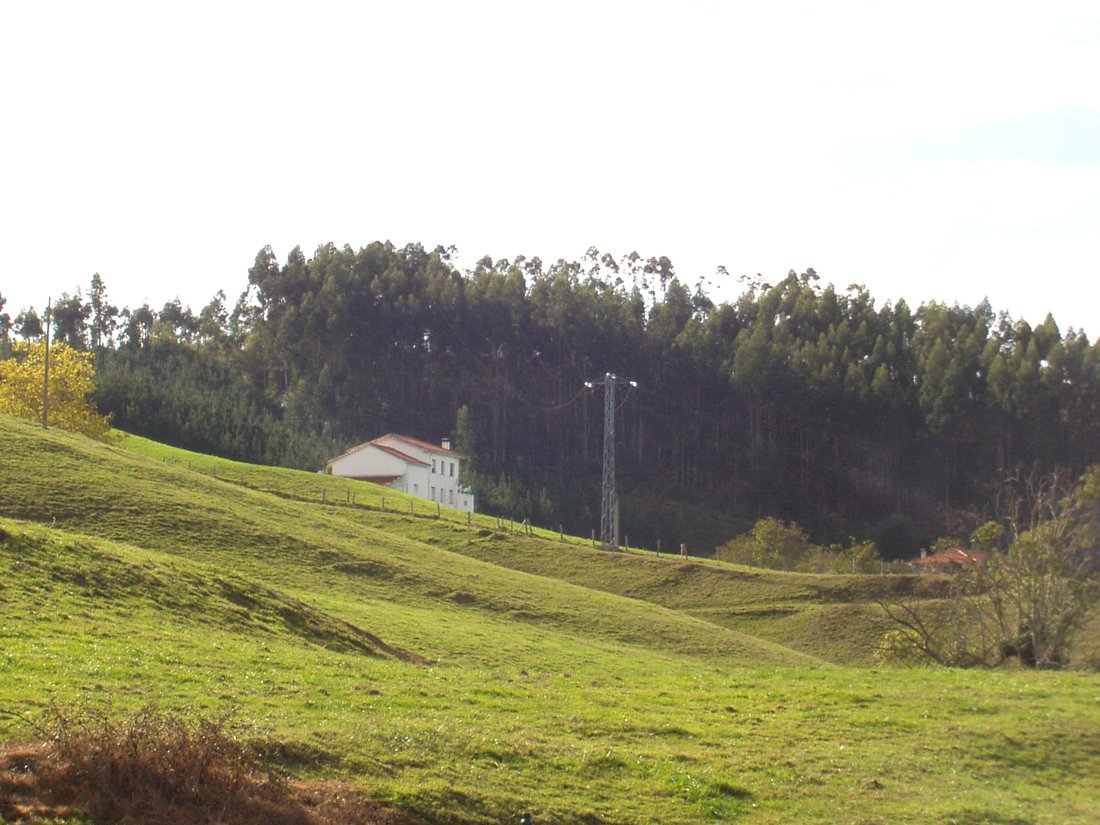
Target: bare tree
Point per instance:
(1026, 602)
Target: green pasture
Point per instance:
(467, 673)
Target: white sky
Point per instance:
(946, 151)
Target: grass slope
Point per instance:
(833, 617)
(351, 558)
(126, 575)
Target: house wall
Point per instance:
(369, 461)
(445, 470)
(442, 484)
(436, 480)
(418, 481)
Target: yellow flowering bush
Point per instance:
(72, 382)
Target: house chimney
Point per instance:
(446, 444)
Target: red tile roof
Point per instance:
(397, 453)
(383, 480)
(412, 442)
(955, 555)
(423, 445)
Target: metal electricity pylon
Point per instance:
(609, 505)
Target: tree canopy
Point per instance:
(798, 400)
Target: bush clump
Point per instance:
(156, 768)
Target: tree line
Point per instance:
(796, 401)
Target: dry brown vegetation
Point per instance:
(160, 769)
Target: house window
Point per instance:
(452, 469)
(452, 498)
(416, 489)
(433, 493)
(433, 465)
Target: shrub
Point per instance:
(155, 767)
(161, 769)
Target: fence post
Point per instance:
(412, 507)
(324, 496)
(658, 547)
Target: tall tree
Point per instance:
(28, 325)
(103, 314)
(5, 329)
(70, 320)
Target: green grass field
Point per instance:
(465, 673)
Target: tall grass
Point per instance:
(156, 768)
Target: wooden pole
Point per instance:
(46, 372)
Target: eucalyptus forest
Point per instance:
(798, 400)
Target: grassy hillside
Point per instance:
(831, 617)
(351, 558)
(466, 674)
(836, 618)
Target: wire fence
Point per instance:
(333, 491)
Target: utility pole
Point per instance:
(46, 372)
(609, 504)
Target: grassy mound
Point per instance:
(836, 618)
(70, 577)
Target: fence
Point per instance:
(399, 504)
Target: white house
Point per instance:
(409, 465)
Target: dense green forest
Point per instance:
(798, 400)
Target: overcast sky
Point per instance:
(946, 151)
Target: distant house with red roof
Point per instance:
(410, 465)
(947, 560)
